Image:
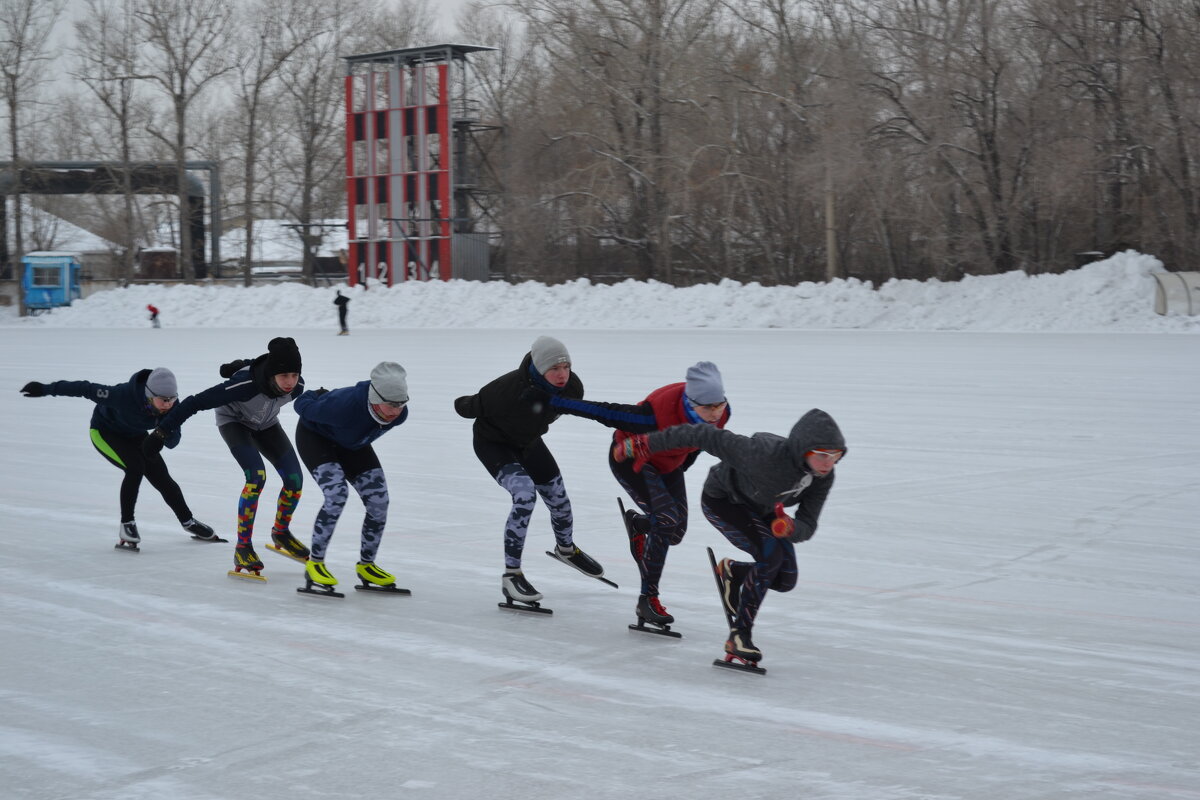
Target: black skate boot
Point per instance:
(244, 558)
(653, 618)
(740, 653)
(650, 609)
(201, 532)
(285, 544)
(730, 578)
(128, 537)
(637, 537)
(519, 594)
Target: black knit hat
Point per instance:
(282, 356)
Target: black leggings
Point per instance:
(125, 453)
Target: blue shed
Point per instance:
(51, 279)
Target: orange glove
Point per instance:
(783, 525)
(633, 446)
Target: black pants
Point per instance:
(125, 453)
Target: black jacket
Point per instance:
(514, 409)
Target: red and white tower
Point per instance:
(406, 185)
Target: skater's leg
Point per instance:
(748, 532)
(372, 488)
(124, 453)
(241, 445)
(331, 479)
(668, 523)
(274, 445)
(516, 481)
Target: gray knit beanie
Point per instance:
(389, 384)
(704, 385)
(547, 353)
(161, 383)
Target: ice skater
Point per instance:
(334, 438)
(120, 420)
(658, 487)
(247, 407)
(745, 496)
(510, 419)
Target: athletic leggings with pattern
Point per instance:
(663, 499)
(248, 448)
(527, 474)
(336, 469)
(774, 565)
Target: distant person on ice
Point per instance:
(122, 415)
(334, 438)
(507, 435)
(248, 403)
(154, 323)
(744, 498)
(342, 302)
(658, 487)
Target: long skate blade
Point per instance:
(286, 554)
(206, 540)
(319, 592)
(532, 608)
(130, 546)
(712, 559)
(248, 575)
(649, 627)
(600, 578)
(740, 666)
(375, 589)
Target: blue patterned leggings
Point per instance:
(663, 501)
(527, 474)
(774, 565)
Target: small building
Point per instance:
(51, 279)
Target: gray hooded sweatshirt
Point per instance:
(764, 469)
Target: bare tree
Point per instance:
(107, 64)
(25, 27)
(624, 67)
(187, 42)
(267, 38)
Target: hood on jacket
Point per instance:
(816, 430)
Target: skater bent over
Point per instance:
(247, 407)
(744, 498)
(658, 487)
(122, 415)
(334, 438)
(510, 419)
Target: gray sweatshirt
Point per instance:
(764, 469)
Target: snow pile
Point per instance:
(1113, 295)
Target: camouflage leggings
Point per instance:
(517, 482)
(371, 487)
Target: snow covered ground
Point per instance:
(1002, 600)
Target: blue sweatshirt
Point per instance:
(344, 416)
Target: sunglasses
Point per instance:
(836, 455)
(394, 405)
(166, 398)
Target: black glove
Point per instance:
(152, 445)
(227, 370)
(34, 389)
(465, 406)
